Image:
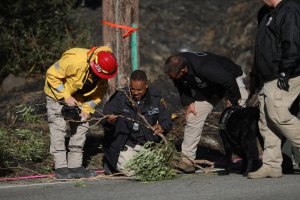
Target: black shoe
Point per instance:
(107, 170)
(62, 173)
(81, 172)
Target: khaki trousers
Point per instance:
(276, 119)
(194, 124)
(125, 156)
(58, 133)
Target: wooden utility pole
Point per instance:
(121, 12)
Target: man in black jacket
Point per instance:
(277, 66)
(203, 79)
(125, 130)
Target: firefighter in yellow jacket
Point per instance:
(75, 84)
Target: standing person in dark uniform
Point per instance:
(124, 137)
(277, 66)
(202, 80)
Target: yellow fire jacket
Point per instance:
(68, 75)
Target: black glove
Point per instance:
(71, 112)
(283, 81)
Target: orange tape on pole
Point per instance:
(129, 29)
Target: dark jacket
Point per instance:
(208, 76)
(152, 106)
(277, 46)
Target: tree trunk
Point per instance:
(122, 12)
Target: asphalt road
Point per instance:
(187, 187)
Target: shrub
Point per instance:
(27, 114)
(30, 145)
(4, 147)
(153, 162)
(34, 33)
(22, 145)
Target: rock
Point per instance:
(11, 82)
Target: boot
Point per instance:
(265, 172)
(185, 167)
(81, 172)
(62, 173)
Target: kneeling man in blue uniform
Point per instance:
(125, 130)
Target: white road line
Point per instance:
(36, 184)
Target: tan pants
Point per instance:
(125, 156)
(276, 119)
(58, 132)
(194, 124)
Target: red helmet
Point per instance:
(105, 65)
